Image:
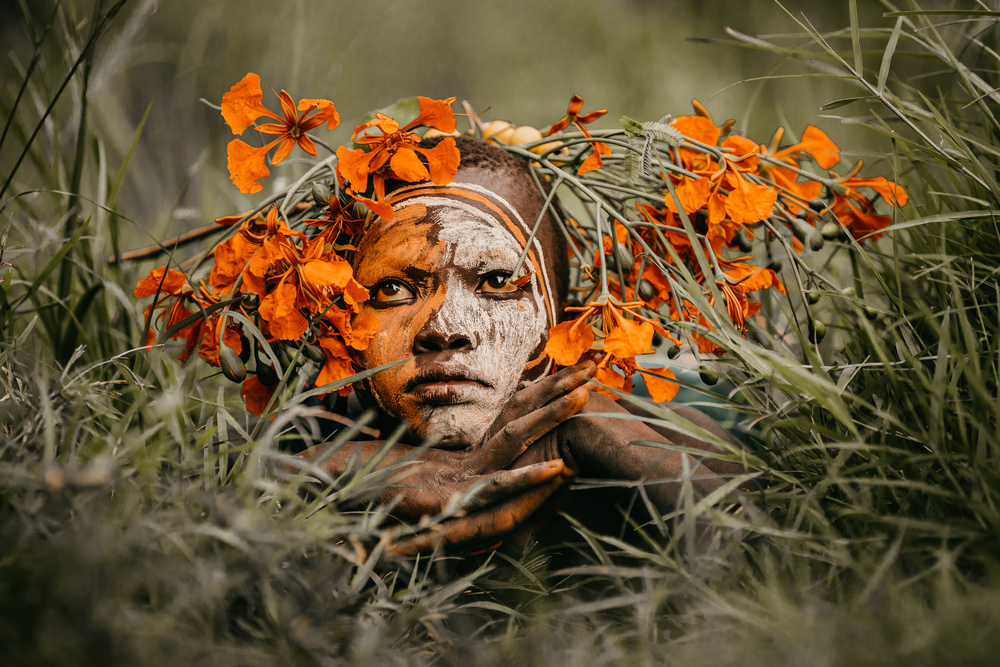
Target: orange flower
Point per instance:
(573, 116)
(171, 291)
(855, 211)
(394, 154)
(243, 105)
(625, 334)
(568, 341)
(814, 143)
(337, 366)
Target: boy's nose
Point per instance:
(431, 339)
(449, 327)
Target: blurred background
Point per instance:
(520, 60)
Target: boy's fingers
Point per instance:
(505, 484)
(485, 524)
(538, 394)
(515, 437)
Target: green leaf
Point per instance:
(663, 132)
(859, 63)
(632, 127)
(890, 48)
(843, 102)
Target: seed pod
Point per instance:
(817, 205)
(315, 353)
(831, 231)
(775, 265)
(321, 193)
(848, 291)
(266, 374)
(870, 313)
(708, 375)
(232, 366)
(813, 297)
(244, 349)
(646, 290)
(657, 339)
(284, 356)
(674, 351)
(818, 330)
(625, 259)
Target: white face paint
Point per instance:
(437, 275)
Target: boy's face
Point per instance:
(437, 274)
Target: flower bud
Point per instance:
(232, 366)
(646, 290)
(870, 313)
(314, 353)
(708, 375)
(321, 193)
(244, 349)
(818, 330)
(266, 374)
(813, 297)
(673, 351)
(831, 231)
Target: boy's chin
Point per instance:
(454, 426)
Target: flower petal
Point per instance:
(172, 284)
(326, 110)
(660, 388)
(353, 165)
(256, 395)
(435, 113)
(406, 166)
(568, 341)
(243, 104)
(820, 147)
(442, 160)
(247, 165)
(629, 338)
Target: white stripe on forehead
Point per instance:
(492, 196)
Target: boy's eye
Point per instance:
(391, 291)
(496, 283)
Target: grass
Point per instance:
(139, 526)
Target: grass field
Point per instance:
(128, 535)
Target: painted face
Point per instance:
(437, 274)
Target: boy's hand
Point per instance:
(506, 497)
(476, 481)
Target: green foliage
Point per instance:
(144, 520)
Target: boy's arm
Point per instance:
(603, 447)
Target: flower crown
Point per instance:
(670, 212)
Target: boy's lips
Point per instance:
(445, 386)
